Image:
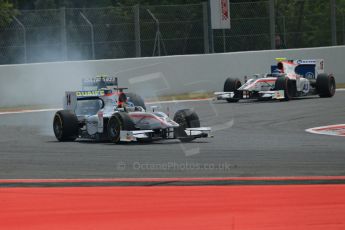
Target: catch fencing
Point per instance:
(143, 31)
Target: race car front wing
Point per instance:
(131, 136)
(273, 94)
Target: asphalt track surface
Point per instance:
(250, 139)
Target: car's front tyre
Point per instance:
(288, 85)
(117, 122)
(232, 85)
(136, 100)
(186, 118)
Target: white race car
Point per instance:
(288, 79)
(108, 114)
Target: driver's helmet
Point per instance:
(277, 72)
(101, 84)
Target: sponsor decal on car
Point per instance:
(94, 93)
(309, 75)
(306, 62)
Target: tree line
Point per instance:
(299, 23)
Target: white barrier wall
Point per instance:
(45, 83)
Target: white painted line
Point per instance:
(28, 111)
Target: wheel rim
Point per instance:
(58, 126)
(182, 122)
(114, 129)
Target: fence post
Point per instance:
(92, 34)
(137, 30)
(333, 22)
(284, 31)
(210, 30)
(63, 33)
(272, 24)
(224, 41)
(206, 28)
(24, 38)
(343, 29)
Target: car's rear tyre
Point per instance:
(186, 118)
(288, 85)
(136, 99)
(325, 85)
(65, 125)
(117, 122)
(232, 85)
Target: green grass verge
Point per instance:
(340, 85)
(186, 96)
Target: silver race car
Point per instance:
(288, 79)
(106, 113)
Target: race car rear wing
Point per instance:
(71, 97)
(70, 101)
(101, 82)
(308, 68)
